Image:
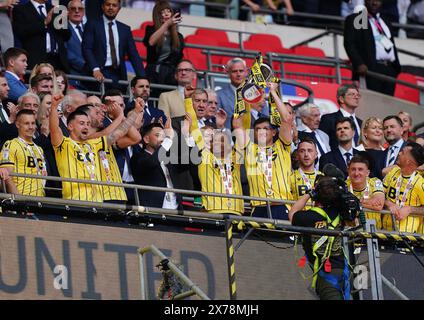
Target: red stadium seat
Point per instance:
(267, 39)
(144, 24)
(265, 43)
(311, 72)
(197, 58)
(308, 51)
(407, 93)
(345, 73)
(201, 59)
(216, 34)
(141, 48)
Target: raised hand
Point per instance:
(238, 122)
(139, 105)
(188, 91)
(185, 129)
(13, 110)
(176, 18)
(114, 110)
(169, 131)
(221, 117)
(273, 86)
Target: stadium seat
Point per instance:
(407, 93)
(201, 59)
(266, 39)
(144, 24)
(345, 73)
(197, 58)
(311, 72)
(216, 34)
(141, 48)
(308, 51)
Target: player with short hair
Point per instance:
(368, 190)
(22, 155)
(77, 155)
(268, 162)
(404, 189)
(303, 179)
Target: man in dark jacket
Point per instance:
(369, 43)
(149, 166)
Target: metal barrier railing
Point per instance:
(141, 209)
(194, 289)
(220, 221)
(316, 16)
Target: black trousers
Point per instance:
(381, 85)
(326, 291)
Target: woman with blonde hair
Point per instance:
(372, 136)
(44, 68)
(164, 44)
(407, 125)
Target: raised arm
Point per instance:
(285, 115)
(299, 205)
(242, 137)
(125, 125)
(155, 37)
(116, 112)
(56, 135)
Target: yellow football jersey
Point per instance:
(375, 185)
(256, 163)
(22, 157)
(109, 172)
(414, 198)
(212, 181)
(79, 160)
(299, 186)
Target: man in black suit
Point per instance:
(386, 160)
(341, 156)
(35, 25)
(4, 94)
(106, 42)
(348, 98)
(370, 46)
(140, 88)
(149, 168)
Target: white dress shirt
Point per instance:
(116, 40)
(358, 127)
(381, 53)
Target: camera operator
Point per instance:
(333, 207)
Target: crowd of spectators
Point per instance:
(192, 140)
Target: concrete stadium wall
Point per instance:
(380, 105)
(102, 262)
(289, 35)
